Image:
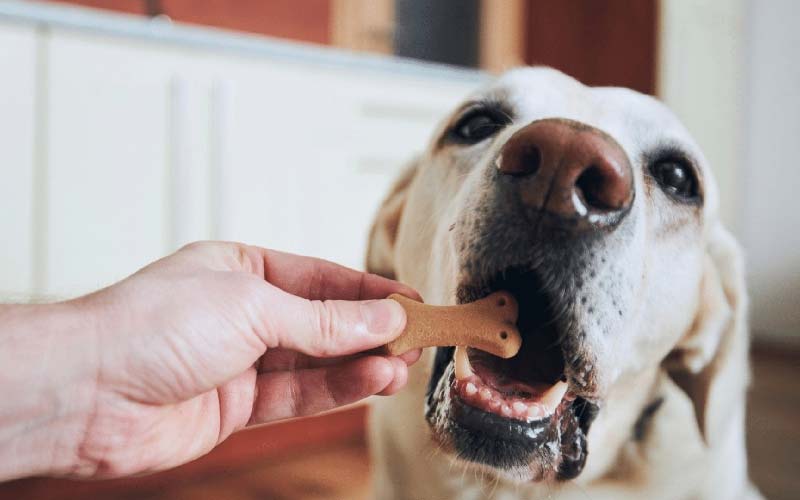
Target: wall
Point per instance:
(770, 175)
(305, 20)
(701, 69)
(730, 72)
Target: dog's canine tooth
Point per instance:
(552, 398)
(463, 370)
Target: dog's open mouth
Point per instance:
(522, 414)
(491, 384)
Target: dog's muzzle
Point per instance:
(559, 190)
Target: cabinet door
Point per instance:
(17, 96)
(393, 119)
(311, 151)
(117, 159)
(281, 130)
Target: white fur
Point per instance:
(684, 320)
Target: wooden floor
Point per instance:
(341, 472)
(773, 422)
(341, 469)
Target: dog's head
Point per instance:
(597, 211)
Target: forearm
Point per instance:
(47, 385)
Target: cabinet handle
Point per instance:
(177, 159)
(221, 96)
(398, 111)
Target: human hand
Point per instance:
(211, 339)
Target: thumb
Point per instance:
(326, 328)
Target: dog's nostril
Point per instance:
(501, 302)
(531, 159)
(598, 189)
(504, 335)
(521, 161)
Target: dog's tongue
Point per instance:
(492, 391)
(509, 386)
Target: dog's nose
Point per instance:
(569, 170)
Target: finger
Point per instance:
(411, 357)
(307, 277)
(235, 399)
(328, 328)
(283, 359)
(400, 377)
(318, 279)
(307, 392)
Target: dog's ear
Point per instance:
(383, 235)
(710, 362)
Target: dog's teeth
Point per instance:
(470, 389)
(463, 370)
(552, 398)
(485, 394)
(520, 407)
(505, 410)
(535, 412)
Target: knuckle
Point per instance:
(327, 322)
(207, 247)
(194, 246)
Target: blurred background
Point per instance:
(129, 127)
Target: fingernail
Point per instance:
(384, 317)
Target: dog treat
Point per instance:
(488, 324)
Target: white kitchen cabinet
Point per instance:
(311, 151)
(117, 159)
(17, 132)
(124, 139)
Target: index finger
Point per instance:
(318, 279)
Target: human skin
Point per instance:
(158, 369)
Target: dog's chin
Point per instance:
(523, 418)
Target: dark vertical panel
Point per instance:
(443, 31)
(608, 42)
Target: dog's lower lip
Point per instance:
(552, 447)
(497, 426)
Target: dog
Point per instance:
(598, 212)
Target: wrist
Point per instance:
(49, 360)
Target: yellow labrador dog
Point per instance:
(597, 210)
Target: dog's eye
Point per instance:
(479, 124)
(676, 178)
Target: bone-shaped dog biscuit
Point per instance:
(487, 324)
